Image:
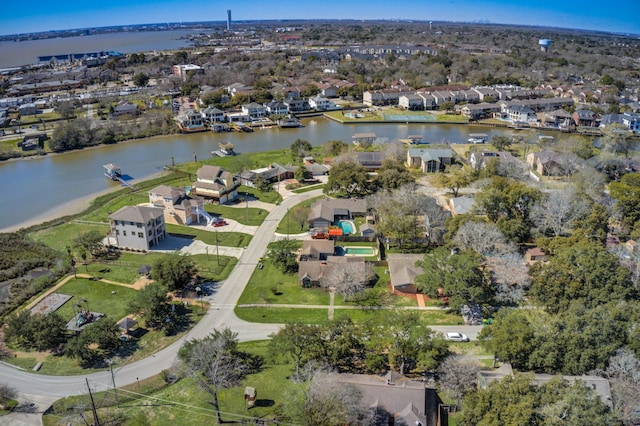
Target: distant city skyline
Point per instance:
(38, 15)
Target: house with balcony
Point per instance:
(254, 110)
(213, 115)
(296, 105)
(216, 184)
(479, 111)
(137, 227)
(585, 118)
(520, 113)
(429, 160)
(558, 118)
(320, 103)
(178, 207)
(276, 108)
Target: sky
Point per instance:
(42, 15)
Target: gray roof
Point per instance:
(137, 214)
(326, 207)
(403, 269)
(430, 154)
(317, 247)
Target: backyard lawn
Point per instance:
(250, 216)
(229, 239)
(290, 226)
(60, 236)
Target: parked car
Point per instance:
(220, 223)
(320, 236)
(456, 337)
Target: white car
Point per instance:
(456, 337)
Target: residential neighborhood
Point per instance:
(385, 276)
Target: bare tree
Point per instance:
(509, 274)
(459, 375)
(7, 393)
(591, 182)
(215, 363)
(623, 373)
(483, 237)
(349, 278)
(329, 402)
(558, 210)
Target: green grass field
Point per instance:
(229, 239)
(250, 216)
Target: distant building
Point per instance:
(228, 19)
(183, 71)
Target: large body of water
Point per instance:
(15, 54)
(33, 187)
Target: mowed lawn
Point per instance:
(60, 236)
(99, 298)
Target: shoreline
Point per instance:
(69, 208)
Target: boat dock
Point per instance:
(114, 172)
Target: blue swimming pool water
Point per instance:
(346, 227)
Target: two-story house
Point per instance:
(213, 115)
(254, 110)
(137, 227)
(429, 160)
(179, 208)
(217, 184)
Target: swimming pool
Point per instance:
(346, 226)
(361, 251)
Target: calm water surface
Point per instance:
(30, 188)
(14, 54)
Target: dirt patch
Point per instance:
(50, 303)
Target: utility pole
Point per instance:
(113, 380)
(93, 405)
(217, 248)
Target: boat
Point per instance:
(112, 171)
(288, 121)
(478, 138)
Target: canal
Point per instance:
(34, 187)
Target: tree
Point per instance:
(329, 403)
(347, 179)
(95, 343)
(65, 109)
(501, 142)
(174, 271)
(393, 174)
(283, 255)
(140, 79)
(508, 204)
(349, 278)
(458, 375)
(301, 342)
(215, 363)
(454, 178)
(154, 304)
(446, 106)
(618, 139)
(623, 372)
(483, 237)
(580, 269)
(459, 276)
(302, 173)
(510, 337)
(334, 148)
(36, 332)
(519, 401)
(509, 275)
(627, 196)
(557, 211)
(91, 242)
(300, 148)
(300, 214)
(262, 184)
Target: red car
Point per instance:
(219, 223)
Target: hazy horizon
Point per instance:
(41, 16)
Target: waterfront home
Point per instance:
(479, 159)
(254, 110)
(125, 107)
(411, 101)
(519, 113)
(274, 172)
(320, 103)
(429, 160)
(478, 111)
(216, 184)
(137, 227)
(296, 105)
(276, 108)
(585, 118)
(179, 208)
(558, 118)
(213, 115)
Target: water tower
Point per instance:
(544, 44)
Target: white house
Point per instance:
(320, 103)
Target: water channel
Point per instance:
(31, 188)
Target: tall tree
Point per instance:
(174, 271)
(300, 148)
(347, 179)
(558, 210)
(501, 142)
(154, 304)
(458, 375)
(457, 275)
(454, 178)
(627, 197)
(283, 254)
(301, 342)
(349, 278)
(215, 363)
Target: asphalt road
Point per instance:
(220, 315)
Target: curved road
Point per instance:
(220, 314)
